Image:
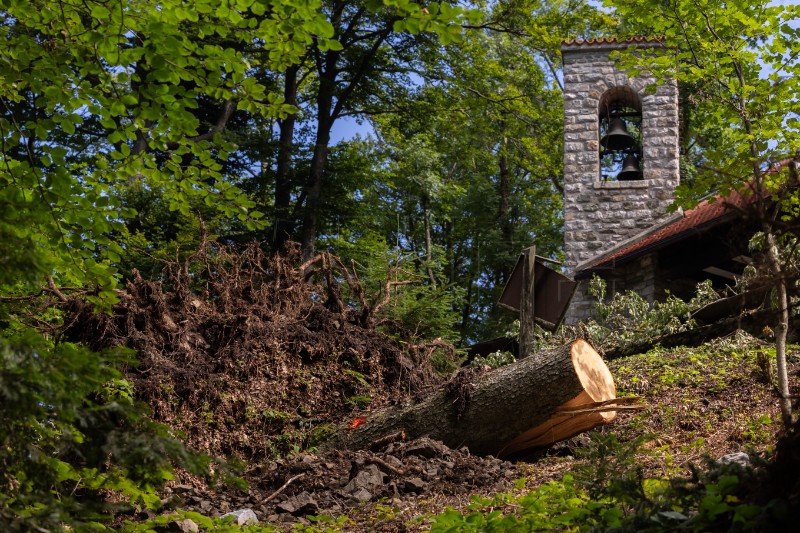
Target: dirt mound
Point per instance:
(256, 356)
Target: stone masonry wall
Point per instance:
(599, 214)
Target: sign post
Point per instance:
(527, 314)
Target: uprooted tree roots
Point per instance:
(246, 356)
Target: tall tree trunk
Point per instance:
(428, 240)
(773, 255)
(503, 190)
(527, 317)
(474, 274)
(283, 174)
(318, 161)
(449, 252)
(328, 69)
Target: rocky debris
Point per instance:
(300, 505)
(182, 489)
(183, 525)
(337, 482)
(415, 485)
(370, 478)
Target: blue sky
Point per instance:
(346, 128)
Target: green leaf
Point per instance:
(100, 12)
(258, 8)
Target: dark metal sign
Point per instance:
(552, 293)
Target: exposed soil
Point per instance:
(703, 403)
(385, 490)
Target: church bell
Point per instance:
(630, 169)
(617, 137)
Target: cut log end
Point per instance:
(578, 414)
(592, 372)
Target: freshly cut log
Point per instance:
(546, 397)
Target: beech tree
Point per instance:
(377, 49)
(741, 60)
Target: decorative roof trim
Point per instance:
(609, 43)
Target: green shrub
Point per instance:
(70, 433)
(610, 493)
(494, 359)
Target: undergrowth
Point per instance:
(624, 320)
(656, 471)
(610, 493)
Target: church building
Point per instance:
(621, 168)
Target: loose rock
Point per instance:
(368, 478)
(242, 517)
(739, 458)
(362, 495)
(182, 525)
(299, 505)
(415, 485)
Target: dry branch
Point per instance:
(282, 488)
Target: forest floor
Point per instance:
(246, 358)
(703, 402)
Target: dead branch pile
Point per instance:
(244, 355)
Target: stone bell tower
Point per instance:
(621, 162)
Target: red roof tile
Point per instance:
(706, 214)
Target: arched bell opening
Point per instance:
(620, 118)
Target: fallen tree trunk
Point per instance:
(549, 396)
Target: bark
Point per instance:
(283, 177)
(781, 328)
(503, 411)
(466, 309)
(329, 69)
(773, 254)
(327, 85)
(504, 191)
(428, 240)
(527, 316)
